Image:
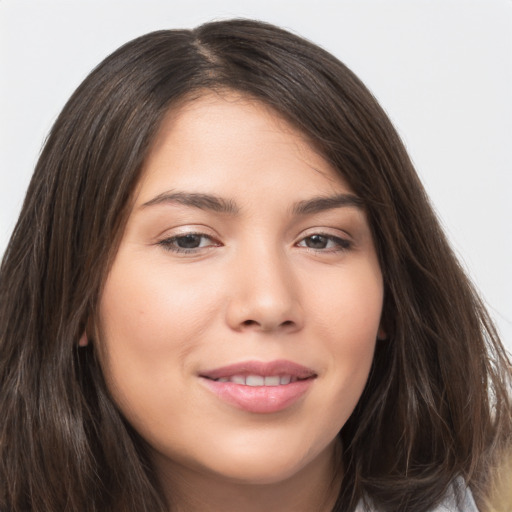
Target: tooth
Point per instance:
(285, 379)
(223, 379)
(238, 379)
(272, 381)
(254, 380)
(294, 379)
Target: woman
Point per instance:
(227, 290)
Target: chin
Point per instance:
(261, 472)
(252, 463)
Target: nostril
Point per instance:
(252, 323)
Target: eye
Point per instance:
(188, 242)
(322, 242)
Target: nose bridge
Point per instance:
(265, 294)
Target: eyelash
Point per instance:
(169, 244)
(342, 244)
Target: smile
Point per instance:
(259, 380)
(259, 387)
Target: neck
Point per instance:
(314, 488)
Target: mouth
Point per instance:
(260, 387)
(259, 380)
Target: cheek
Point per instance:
(348, 307)
(150, 320)
(150, 306)
(348, 324)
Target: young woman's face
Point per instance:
(239, 319)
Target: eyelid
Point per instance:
(344, 241)
(167, 241)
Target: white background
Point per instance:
(442, 69)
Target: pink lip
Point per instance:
(260, 399)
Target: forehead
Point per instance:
(226, 141)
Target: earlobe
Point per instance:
(381, 334)
(84, 340)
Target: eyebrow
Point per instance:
(320, 204)
(201, 201)
(221, 205)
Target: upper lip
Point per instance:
(265, 369)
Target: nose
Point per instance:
(265, 294)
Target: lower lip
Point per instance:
(260, 399)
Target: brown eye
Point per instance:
(327, 243)
(316, 242)
(188, 243)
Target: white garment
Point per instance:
(450, 502)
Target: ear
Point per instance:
(382, 334)
(84, 340)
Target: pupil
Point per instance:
(316, 242)
(189, 241)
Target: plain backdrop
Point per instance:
(442, 69)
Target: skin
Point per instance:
(259, 286)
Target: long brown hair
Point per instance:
(436, 405)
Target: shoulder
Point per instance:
(458, 498)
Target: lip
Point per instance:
(260, 399)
